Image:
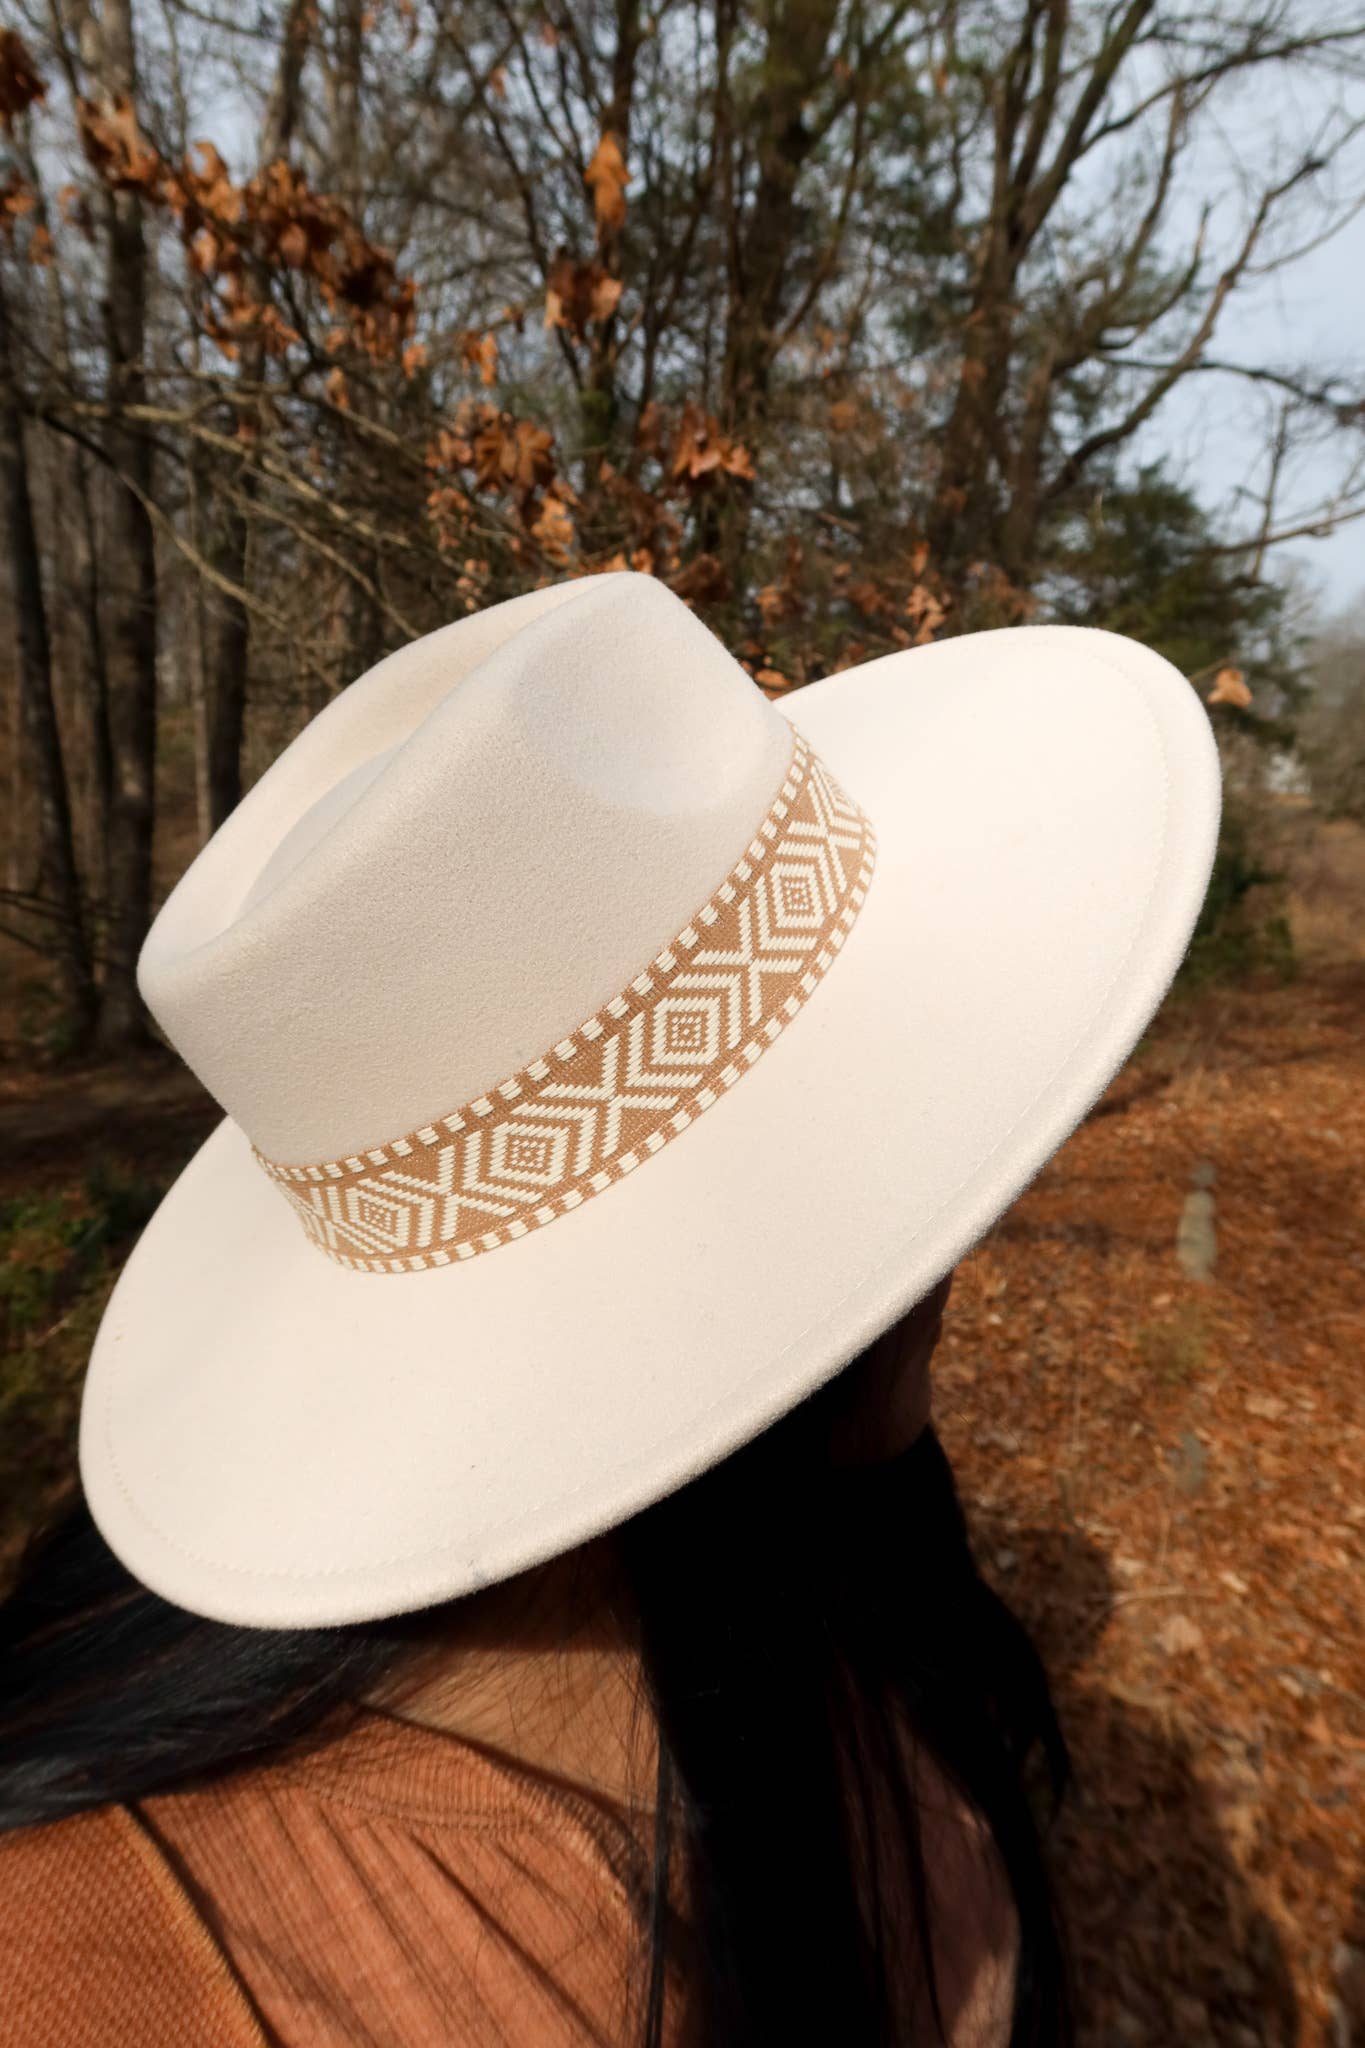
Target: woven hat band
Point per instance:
(603, 1100)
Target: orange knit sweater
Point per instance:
(395, 1888)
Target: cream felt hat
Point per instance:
(609, 1055)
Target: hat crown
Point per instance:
(463, 857)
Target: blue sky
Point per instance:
(1308, 317)
(1214, 430)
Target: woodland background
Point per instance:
(325, 321)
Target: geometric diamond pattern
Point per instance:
(628, 1081)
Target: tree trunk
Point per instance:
(360, 635)
(131, 572)
(598, 402)
(228, 656)
(794, 66)
(58, 881)
(85, 583)
(227, 649)
(76, 523)
(16, 843)
(983, 452)
(763, 243)
(961, 526)
(347, 81)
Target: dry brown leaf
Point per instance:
(1180, 1636)
(512, 454)
(1230, 687)
(533, 462)
(705, 580)
(293, 245)
(607, 177)
(739, 462)
(16, 199)
(606, 297)
(20, 82)
(213, 189)
(116, 147)
(554, 528)
(480, 352)
(579, 293)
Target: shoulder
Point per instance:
(60, 1879)
(99, 1947)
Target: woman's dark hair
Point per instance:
(807, 1633)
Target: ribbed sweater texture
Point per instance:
(395, 1888)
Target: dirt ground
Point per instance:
(1166, 1477)
(1160, 1433)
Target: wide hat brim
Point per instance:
(269, 1439)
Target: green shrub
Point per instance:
(1174, 1350)
(1243, 932)
(59, 1255)
(51, 1244)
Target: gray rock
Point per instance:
(1196, 1242)
(1189, 1464)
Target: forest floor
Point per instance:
(1166, 1474)
(1163, 1459)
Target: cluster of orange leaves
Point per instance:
(236, 235)
(579, 293)
(694, 450)
(505, 457)
(486, 449)
(904, 604)
(924, 605)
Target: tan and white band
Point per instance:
(620, 1087)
